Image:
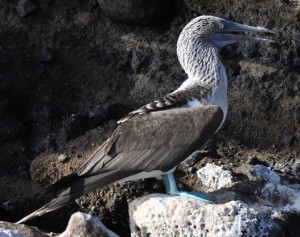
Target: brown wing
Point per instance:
(146, 142)
(174, 100)
(155, 141)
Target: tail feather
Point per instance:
(79, 186)
(62, 183)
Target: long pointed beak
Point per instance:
(224, 37)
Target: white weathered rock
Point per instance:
(26, 7)
(215, 177)
(10, 233)
(285, 198)
(62, 158)
(163, 215)
(8, 229)
(84, 225)
(260, 172)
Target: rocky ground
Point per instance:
(68, 72)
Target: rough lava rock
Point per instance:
(286, 198)
(163, 215)
(81, 224)
(258, 213)
(13, 230)
(261, 172)
(26, 7)
(45, 54)
(138, 11)
(215, 177)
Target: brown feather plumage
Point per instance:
(153, 141)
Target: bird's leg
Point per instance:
(172, 189)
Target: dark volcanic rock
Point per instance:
(297, 114)
(5, 58)
(10, 127)
(24, 172)
(138, 11)
(255, 161)
(248, 49)
(4, 82)
(26, 7)
(140, 58)
(46, 54)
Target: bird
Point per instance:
(153, 139)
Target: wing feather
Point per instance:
(176, 99)
(147, 142)
(158, 140)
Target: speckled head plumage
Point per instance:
(203, 26)
(202, 38)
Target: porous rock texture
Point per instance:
(261, 211)
(85, 225)
(264, 173)
(12, 230)
(286, 198)
(215, 177)
(162, 215)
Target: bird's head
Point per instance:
(202, 38)
(221, 32)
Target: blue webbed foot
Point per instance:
(172, 189)
(201, 196)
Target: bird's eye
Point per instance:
(221, 26)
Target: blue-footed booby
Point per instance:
(155, 138)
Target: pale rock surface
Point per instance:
(286, 198)
(260, 172)
(215, 177)
(10, 233)
(163, 215)
(85, 225)
(8, 229)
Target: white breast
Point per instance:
(220, 96)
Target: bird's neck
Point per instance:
(200, 60)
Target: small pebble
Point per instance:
(8, 206)
(261, 172)
(296, 168)
(23, 172)
(45, 55)
(26, 7)
(62, 158)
